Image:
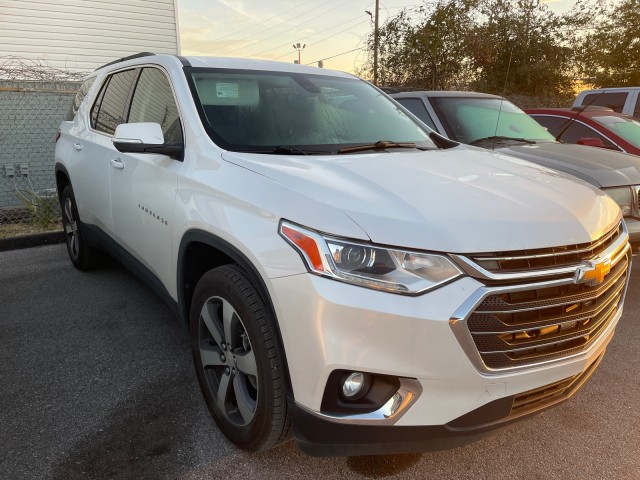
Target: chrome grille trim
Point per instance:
(473, 269)
(557, 340)
(555, 320)
(576, 334)
(591, 247)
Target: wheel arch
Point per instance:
(62, 178)
(201, 251)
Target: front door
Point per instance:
(143, 186)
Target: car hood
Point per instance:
(458, 200)
(598, 166)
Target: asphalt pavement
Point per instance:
(97, 382)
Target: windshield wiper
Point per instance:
(288, 150)
(498, 138)
(380, 145)
(291, 150)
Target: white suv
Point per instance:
(342, 270)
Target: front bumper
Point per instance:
(327, 325)
(318, 435)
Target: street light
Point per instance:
(296, 46)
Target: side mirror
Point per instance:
(591, 142)
(145, 138)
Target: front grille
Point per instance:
(544, 397)
(545, 258)
(533, 325)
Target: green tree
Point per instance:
(519, 48)
(426, 47)
(610, 51)
(515, 46)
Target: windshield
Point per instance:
(471, 119)
(624, 127)
(265, 111)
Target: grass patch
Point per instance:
(9, 230)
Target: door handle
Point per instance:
(117, 163)
(77, 146)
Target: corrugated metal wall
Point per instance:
(83, 34)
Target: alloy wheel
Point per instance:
(71, 228)
(228, 361)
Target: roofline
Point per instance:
(447, 93)
(182, 59)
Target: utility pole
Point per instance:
(296, 46)
(375, 44)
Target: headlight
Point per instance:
(623, 197)
(392, 270)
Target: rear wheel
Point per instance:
(238, 359)
(81, 254)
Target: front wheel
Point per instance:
(238, 359)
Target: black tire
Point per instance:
(247, 401)
(83, 256)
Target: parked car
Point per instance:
(596, 127)
(625, 100)
(493, 122)
(348, 277)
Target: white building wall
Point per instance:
(84, 34)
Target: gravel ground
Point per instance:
(96, 382)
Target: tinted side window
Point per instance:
(111, 108)
(153, 102)
(416, 106)
(574, 133)
(636, 110)
(577, 131)
(613, 100)
(82, 92)
(96, 106)
(552, 124)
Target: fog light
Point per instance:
(354, 385)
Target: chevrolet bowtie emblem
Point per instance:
(593, 272)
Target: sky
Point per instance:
(332, 30)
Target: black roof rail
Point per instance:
(130, 57)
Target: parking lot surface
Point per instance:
(96, 382)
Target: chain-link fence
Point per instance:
(30, 115)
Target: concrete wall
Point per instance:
(80, 35)
(30, 115)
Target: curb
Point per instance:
(29, 241)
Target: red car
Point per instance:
(596, 126)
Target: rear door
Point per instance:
(90, 177)
(143, 186)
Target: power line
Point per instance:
(236, 32)
(334, 56)
(285, 30)
(308, 36)
(330, 36)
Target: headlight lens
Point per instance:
(392, 270)
(623, 197)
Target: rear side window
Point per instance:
(153, 102)
(636, 110)
(416, 106)
(575, 132)
(108, 112)
(613, 100)
(77, 100)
